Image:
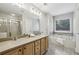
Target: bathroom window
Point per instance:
(63, 25)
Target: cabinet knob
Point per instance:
(24, 48)
(20, 50)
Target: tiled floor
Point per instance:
(58, 50)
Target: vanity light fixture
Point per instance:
(32, 10)
(35, 11)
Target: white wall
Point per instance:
(76, 22)
(44, 24)
(76, 27)
(50, 24)
(62, 17)
(26, 23)
(28, 18)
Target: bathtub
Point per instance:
(70, 44)
(60, 40)
(66, 41)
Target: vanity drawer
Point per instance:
(37, 42)
(17, 51)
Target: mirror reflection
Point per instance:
(10, 27)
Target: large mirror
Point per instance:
(10, 27)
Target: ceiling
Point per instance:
(10, 8)
(51, 8)
(56, 8)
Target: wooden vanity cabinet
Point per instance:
(37, 47)
(17, 51)
(28, 49)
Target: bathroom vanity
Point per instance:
(37, 45)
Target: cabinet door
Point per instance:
(42, 45)
(17, 51)
(46, 43)
(29, 49)
(37, 50)
(37, 47)
(20, 51)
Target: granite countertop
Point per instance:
(15, 43)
